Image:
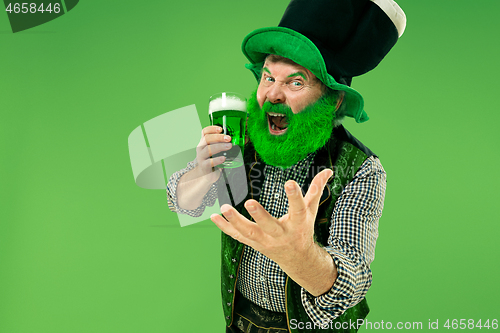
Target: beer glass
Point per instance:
(229, 111)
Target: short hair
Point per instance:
(277, 58)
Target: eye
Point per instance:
(268, 79)
(296, 84)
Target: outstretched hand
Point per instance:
(283, 239)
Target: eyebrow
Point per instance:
(298, 74)
(291, 75)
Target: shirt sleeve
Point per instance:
(173, 181)
(351, 243)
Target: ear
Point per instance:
(340, 100)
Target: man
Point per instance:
(296, 252)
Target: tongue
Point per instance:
(279, 121)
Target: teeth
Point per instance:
(272, 114)
(273, 127)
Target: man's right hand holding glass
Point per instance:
(193, 185)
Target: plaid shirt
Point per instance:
(353, 232)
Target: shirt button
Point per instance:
(228, 304)
(229, 291)
(227, 317)
(231, 276)
(262, 278)
(264, 300)
(277, 195)
(233, 260)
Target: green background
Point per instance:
(83, 249)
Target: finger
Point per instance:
(205, 148)
(267, 223)
(216, 138)
(249, 231)
(297, 207)
(211, 130)
(210, 150)
(210, 135)
(201, 146)
(211, 163)
(316, 189)
(225, 226)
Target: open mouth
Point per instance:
(278, 123)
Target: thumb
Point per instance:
(314, 192)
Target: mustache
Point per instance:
(279, 108)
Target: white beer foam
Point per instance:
(227, 103)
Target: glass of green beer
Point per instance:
(229, 111)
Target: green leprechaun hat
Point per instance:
(335, 39)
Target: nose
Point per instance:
(275, 94)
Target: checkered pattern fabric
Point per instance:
(260, 279)
(208, 199)
(353, 233)
(351, 243)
